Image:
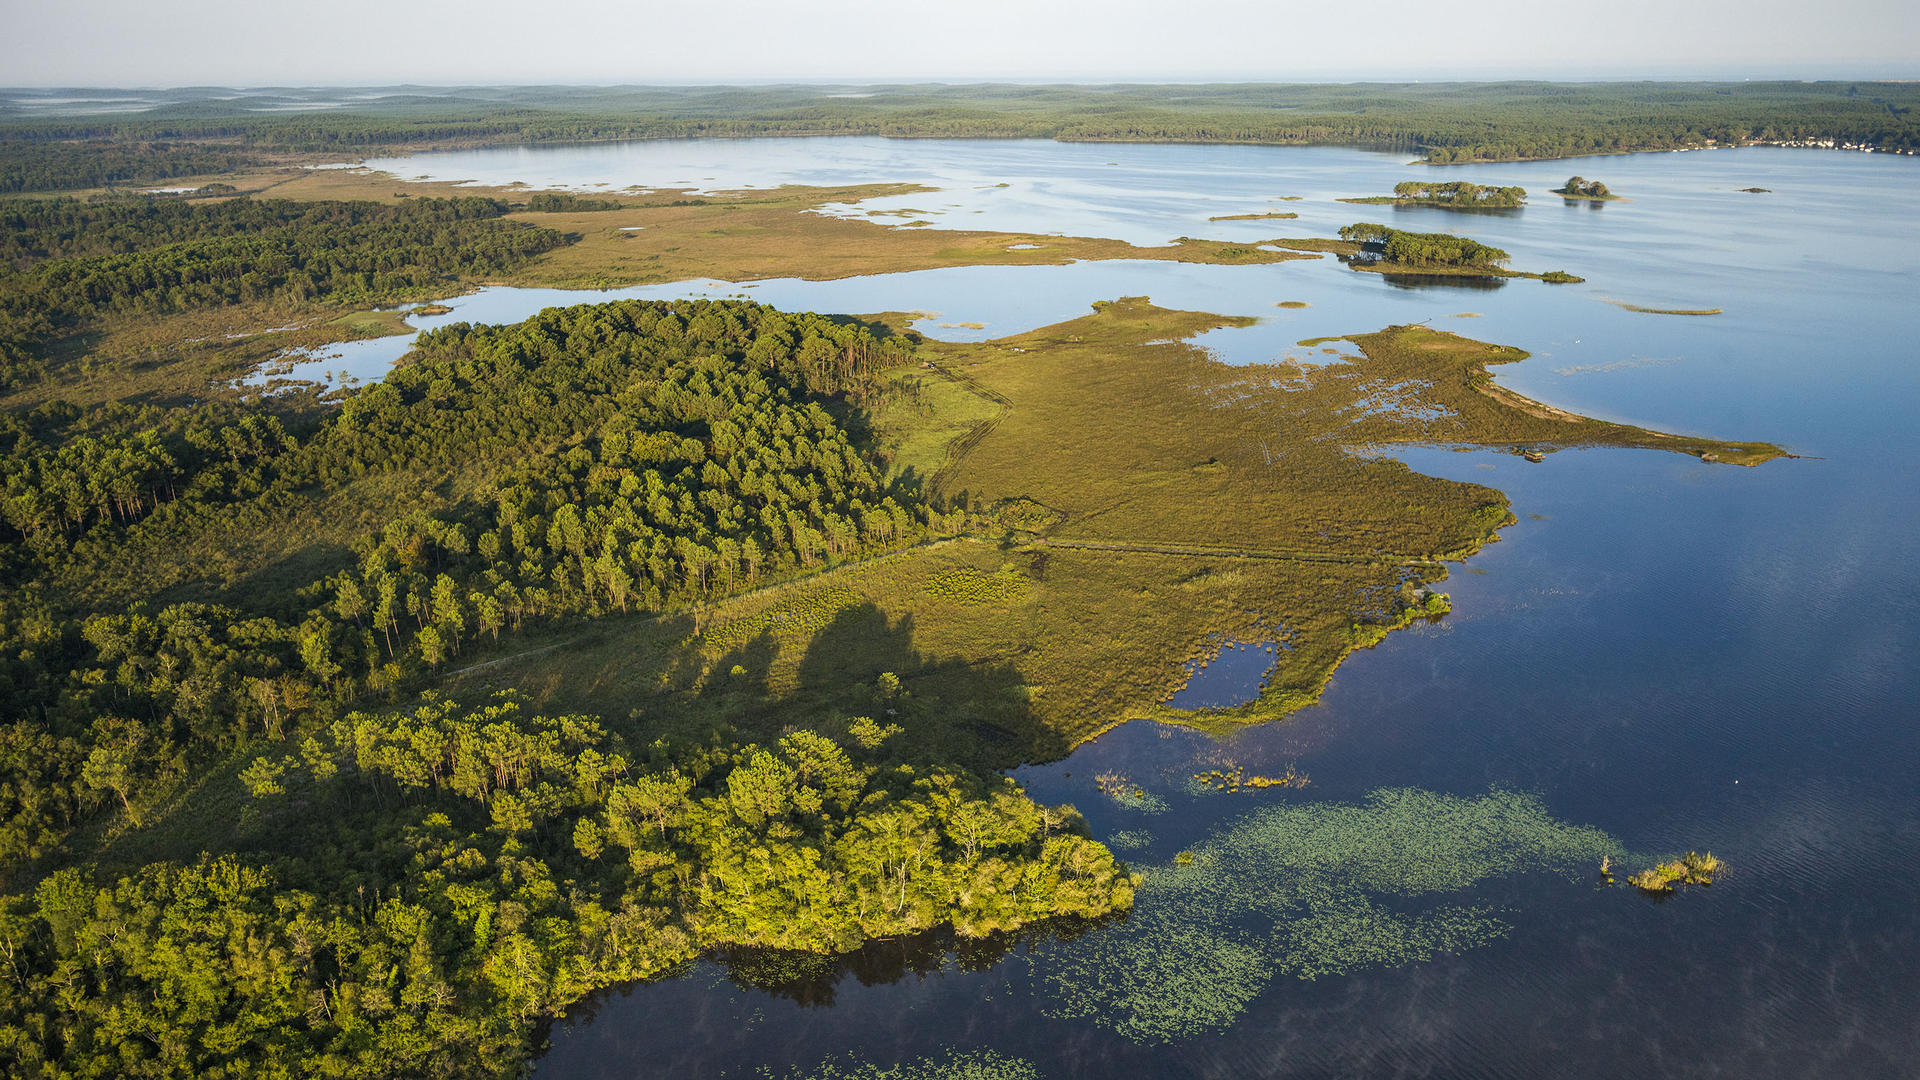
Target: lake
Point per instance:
(1682, 655)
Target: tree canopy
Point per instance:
(1423, 249)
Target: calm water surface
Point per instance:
(1683, 655)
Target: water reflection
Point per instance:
(812, 980)
(1445, 281)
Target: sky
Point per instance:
(166, 43)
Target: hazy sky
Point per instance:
(275, 42)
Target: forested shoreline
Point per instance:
(1443, 123)
(66, 265)
(412, 885)
(415, 892)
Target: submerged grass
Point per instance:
(1664, 311)
(946, 1065)
(1309, 891)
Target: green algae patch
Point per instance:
(1307, 891)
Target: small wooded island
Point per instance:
(1424, 249)
(1398, 251)
(1579, 187)
(1458, 195)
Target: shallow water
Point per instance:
(1231, 676)
(1680, 654)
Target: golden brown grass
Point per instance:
(753, 235)
(1148, 501)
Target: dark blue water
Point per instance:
(1683, 655)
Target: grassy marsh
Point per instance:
(1114, 541)
(750, 235)
(1279, 214)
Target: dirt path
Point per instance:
(1203, 551)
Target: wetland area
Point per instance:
(1663, 652)
(722, 607)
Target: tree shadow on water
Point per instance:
(813, 979)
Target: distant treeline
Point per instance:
(560, 202)
(29, 162)
(1444, 123)
(67, 264)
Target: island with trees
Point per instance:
(1579, 187)
(1456, 195)
(1382, 249)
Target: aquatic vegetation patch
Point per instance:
(1235, 778)
(1692, 868)
(1130, 840)
(1664, 311)
(1127, 795)
(947, 1065)
(1313, 890)
(1159, 981)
